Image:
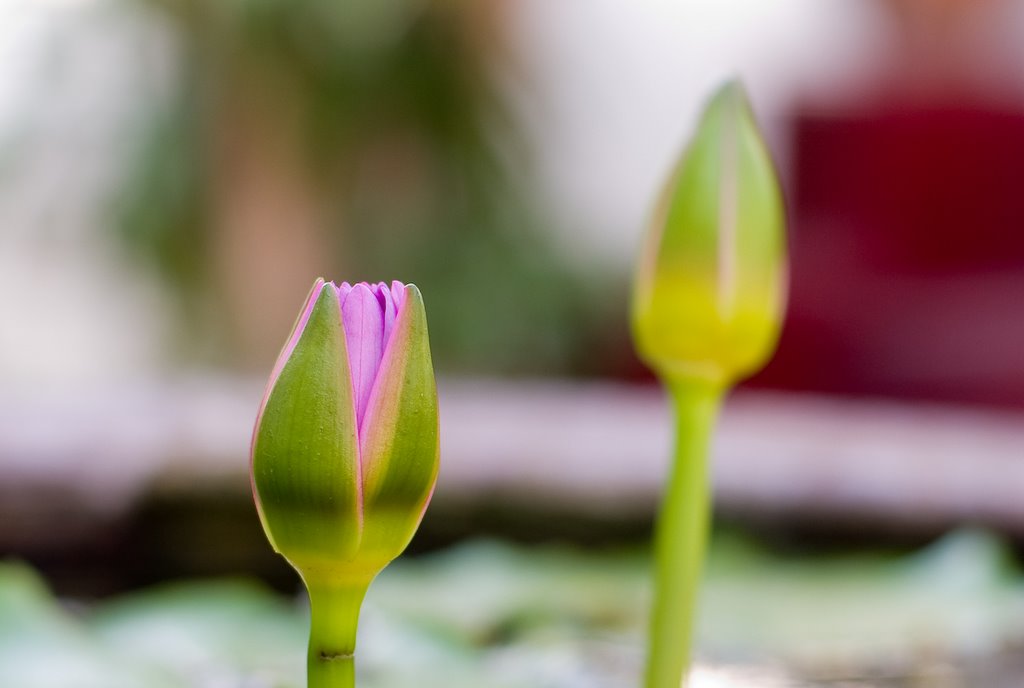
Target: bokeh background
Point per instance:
(175, 173)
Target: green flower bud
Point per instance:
(710, 288)
(345, 452)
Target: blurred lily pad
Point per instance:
(42, 646)
(494, 614)
(209, 633)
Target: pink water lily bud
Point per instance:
(345, 449)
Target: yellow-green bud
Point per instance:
(710, 288)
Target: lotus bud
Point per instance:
(710, 287)
(345, 452)
(707, 308)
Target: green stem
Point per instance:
(334, 616)
(681, 534)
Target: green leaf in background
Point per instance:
(42, 646)
(501, 616)
(208, 631)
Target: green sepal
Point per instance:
(305, 454)
(400, 446)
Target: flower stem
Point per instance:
(681, 534)
(334, 616)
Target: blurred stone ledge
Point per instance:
(70, 462)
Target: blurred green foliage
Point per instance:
(409, 155)
(492, 614)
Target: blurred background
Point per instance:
(175, 173)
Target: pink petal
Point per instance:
(343, 289)
(389, 310)
(398, 294)
(375, 288)
(363, 322)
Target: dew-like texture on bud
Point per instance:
(345, 450)
(710, 287)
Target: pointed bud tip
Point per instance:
(293, 338)
(731, 89)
